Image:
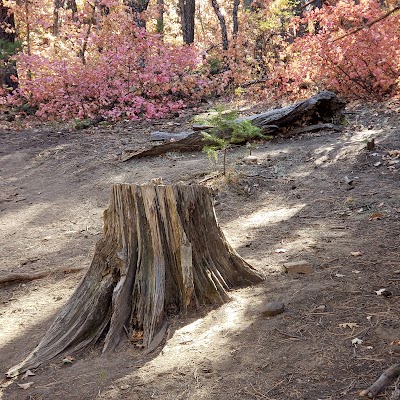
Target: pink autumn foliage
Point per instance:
(130, 74)
(363, 64)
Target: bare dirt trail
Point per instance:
(295, 204)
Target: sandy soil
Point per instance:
(295, 204)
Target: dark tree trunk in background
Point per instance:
(7, 24)
(222, 24)
(235, 19)
(56, 16)
(138, 7)
(71, 5)
(7, 41)
(187, 9)
(162, 253)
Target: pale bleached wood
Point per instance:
(316, 111)
(162, 250)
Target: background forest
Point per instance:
(142, 59)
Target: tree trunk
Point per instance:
(71, 5)
(160, 16)
(7, 24)
(138, 7)
(162, 253)
(56, 16)
(222, 24)
(235, 20)
(187, 9)
(82, 52)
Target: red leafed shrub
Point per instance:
(128, 73)
(357, 64)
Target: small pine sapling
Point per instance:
(227, 130)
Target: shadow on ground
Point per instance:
(296, 204)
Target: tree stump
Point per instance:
(162, 250)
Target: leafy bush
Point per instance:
(134, 75)
(357, 64)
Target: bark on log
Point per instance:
(319, 109)
(162, 252)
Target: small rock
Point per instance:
(298, 267)
(250, 160)
(348, 180)
(383, 292)
(321, 308)
(273, 308)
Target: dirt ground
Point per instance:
(318, 197)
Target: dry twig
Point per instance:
(384, 380)
(33, 276)
(368, 25)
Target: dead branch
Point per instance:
(384, 380)
(368, 25)
(254, 81)
(33, 276)
(307, 4)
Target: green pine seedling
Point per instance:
(226, 131)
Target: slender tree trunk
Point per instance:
(222, 24)
(56, 17)
(187, 10)
(82, 53)
(162, 255)
(28, 28)
(235, 19)
(160, 16)
(71, 5)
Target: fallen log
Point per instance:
(163, 254)
(317, 111)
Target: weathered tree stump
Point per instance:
(162, 250)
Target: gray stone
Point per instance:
(273, 308)
(250, 160)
